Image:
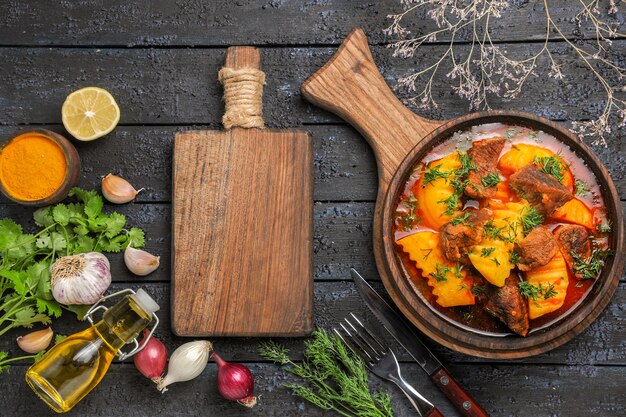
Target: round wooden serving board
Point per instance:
(351, 86)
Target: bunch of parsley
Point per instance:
(66, 229)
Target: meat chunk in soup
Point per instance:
(507, 304)
(573, 238)
(542, 191)
(537, 249)
(456, 239)
(484, 154)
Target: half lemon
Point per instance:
(90, 113)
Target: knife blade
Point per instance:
(402, 332)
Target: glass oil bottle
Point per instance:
(74, 366)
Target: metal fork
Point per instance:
(381, 361)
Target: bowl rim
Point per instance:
(449, 334)
(72, 161)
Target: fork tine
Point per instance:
(382, 346)
(352, 344)
(362, 347)
(358, 337)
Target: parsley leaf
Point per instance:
(43, 217)
(61, 214)
(136, 236)
(25, 259)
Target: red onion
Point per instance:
(151, 360)
(235, 382)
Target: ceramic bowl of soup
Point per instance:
(502, 235)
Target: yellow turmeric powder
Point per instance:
(32, 167)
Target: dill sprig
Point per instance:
(332, 377)
(604, 227)
(535, 292)
(440, 272)
(551, 165)
(492, 179)
(530, 219)
(479, 290)
(431, 174)
(408, 218)
(467, 165)
(452, 203)
(462, 219)
(514, 257)
(590, 268)
(491, 231)
(581, 188)
(485, 252)
(458, 183)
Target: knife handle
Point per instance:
(457, 395)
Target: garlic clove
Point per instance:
(35, 342)
(140, 262)
(117, 190)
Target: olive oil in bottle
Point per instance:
(73, 367)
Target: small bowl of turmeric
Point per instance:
(38, 167)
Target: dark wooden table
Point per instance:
(160, 59)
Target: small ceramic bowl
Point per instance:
(71, 174)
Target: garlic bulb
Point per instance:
(35, 342)
(140, 262)
(186, 363)
(80, 279)
(117, 190)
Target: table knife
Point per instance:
(403, 333)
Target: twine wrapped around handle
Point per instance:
(243, 97)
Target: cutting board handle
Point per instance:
(351, 86)
(243, 82)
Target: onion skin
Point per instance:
(186, 363)
(151, 360)
(235, 382)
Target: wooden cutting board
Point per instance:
(242, 229)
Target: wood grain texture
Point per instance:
(163, 89)
(178, 86)
(350, 86)
(260, 22)
(548, 391)
(242, 229)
